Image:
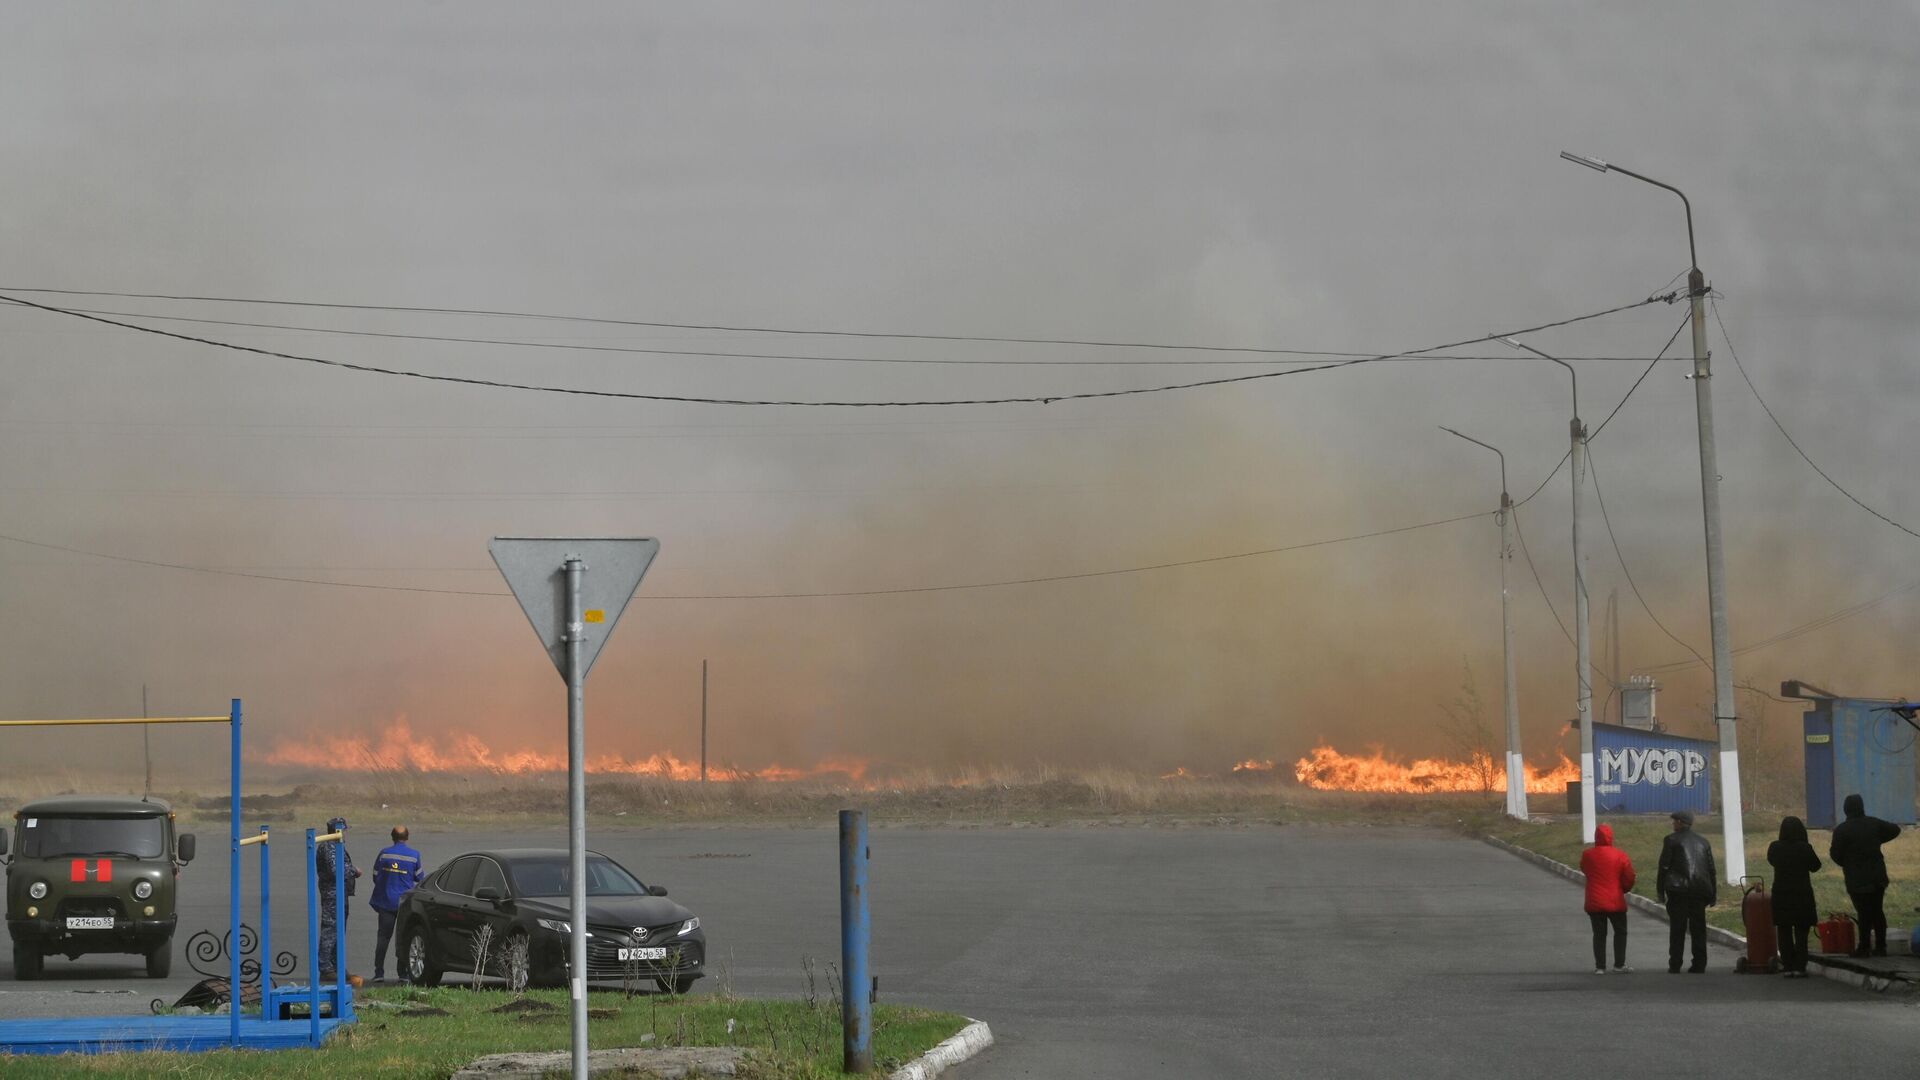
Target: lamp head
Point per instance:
(1581, 159)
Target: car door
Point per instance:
(447, 912)
(496, 914)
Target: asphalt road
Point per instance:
(1196, 952)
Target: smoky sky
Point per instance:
(1367, 177)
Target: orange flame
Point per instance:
(398, 749)
(1327, 769)
(1252, 765)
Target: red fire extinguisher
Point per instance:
(1836, 933)
(1756, 914)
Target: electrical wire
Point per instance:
(1619, 555)
(693, 400)
(1813, 625)
(1782, 428)
(937, 361)
(1544, 595)
(783, 331)
(771, 596)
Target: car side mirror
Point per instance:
(656, 890)
(186, 848)
(488, 893)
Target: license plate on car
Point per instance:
(643, 954)
(89, 922)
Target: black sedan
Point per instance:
(515, 901)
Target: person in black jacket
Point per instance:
(1856, 850)
(1794, 910)
(1688, 884)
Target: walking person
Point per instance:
(1794, 910)
(1609, 879)
(396, 870)
(1856, 850)
(1688, 884)
(323, 863)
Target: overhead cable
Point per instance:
(1622, 558)
(696, 400)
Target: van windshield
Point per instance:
(93, 837)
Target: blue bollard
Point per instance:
(856, 927)
(233, 877)
(342, 1007)
(313, 944)
(266, 926)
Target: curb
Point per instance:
(1829, 968)
(972, 1039)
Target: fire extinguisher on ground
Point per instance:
(1756, 914)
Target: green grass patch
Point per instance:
(788, 1040)
(1641, 837)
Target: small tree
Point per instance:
(1466, 728)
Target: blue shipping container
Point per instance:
(1650, 772)
(1858, 746)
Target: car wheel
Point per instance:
(675, 986)
(27, 962)
(416, 959)
(160, 960)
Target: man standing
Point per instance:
(1856, 849)
(395, 870)
(1688, 884)
(323, 862)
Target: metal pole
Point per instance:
(1583, 638)
(313, 944)
(703, 721)
(1723, 704)
(1516, 764)
(856, 927)
(146, 742)
(577, 814)
(340, 926)
(266, 922)
(233, 876)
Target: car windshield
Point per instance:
(547, 875)
(93, 837)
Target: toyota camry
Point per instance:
(516, 897)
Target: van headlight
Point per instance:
(37, 890)
(142, 889)
(689, 926)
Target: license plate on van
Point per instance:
(89, 922)
(643, 954)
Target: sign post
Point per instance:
(573, 613)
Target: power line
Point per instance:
(769, 596)
(1817, 623)
(1782, 428)
(1617, 554)
(1535, 571)
(683, 399)
(783, 331)
(937, 361)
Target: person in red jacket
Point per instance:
(1609, 878)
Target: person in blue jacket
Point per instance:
(396, 870)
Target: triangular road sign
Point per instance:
(536, 571)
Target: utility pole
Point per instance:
(703, 721)
(1516, 765)
(146, 741)
(1723, 703)
(1583, 640)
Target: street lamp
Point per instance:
(1516, 767)
(1723, 705)
(1583, 643)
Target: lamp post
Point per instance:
(1723, 705)
(1516, 767)
(1583, 641)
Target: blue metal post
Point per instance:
(856, 926)
(313, 944)
(233, 877)
(266, 925)
(340, 928)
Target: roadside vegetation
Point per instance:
(415, 1034)
(1641, 837)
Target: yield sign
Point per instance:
(536, 571)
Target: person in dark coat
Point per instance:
(1794, 910)
(1609, 875)
(1688, 884)
(324, 867)
(1856, 850)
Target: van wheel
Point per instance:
(416, 959)
(27, 962)
(160, 960)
